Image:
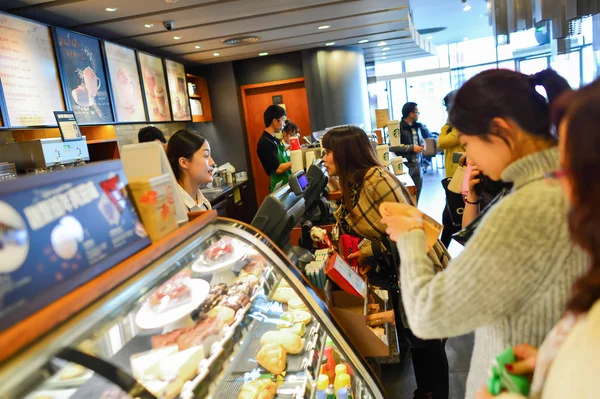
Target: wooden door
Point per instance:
(256, 100)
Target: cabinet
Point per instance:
(201, 94)
(209, 319)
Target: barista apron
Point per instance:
(283, 157)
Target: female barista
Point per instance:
(365, 184)
(189, 156)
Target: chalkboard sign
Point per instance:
(81, 66)
(58, 231)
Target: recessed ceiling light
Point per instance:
(467, 8)
(383, 53)
(263, 54)
(385, 49)
(363, 41)
(149, 25)
(330, 44)
(216, 54)
(111, 9)
(384, 58)
(465, 39)
(177, 37)
(197, 46)
(324, 27)
(381, 44)
(429, 37)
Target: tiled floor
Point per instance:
(398, 380)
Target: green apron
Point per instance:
(283, 157)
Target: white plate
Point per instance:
(55, 394)
(55, 382)
(148, 319)
(201, 266)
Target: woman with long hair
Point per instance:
(365, 184)
(568, 362)
(189, 156)
(512, 280)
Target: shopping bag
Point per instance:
(456, 184)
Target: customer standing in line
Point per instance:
(193, 166)
(270, 150)
(568, 362)
(365, 184)
(513, 279)
(412, 143)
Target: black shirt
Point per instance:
(267, 152)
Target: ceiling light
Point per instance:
(330, 44)
(429, 37)
(381, 44)
(465, 39)
(383, 53)
(197, 46)
(467, 8)
(363, 41)
(385, 49)
(324, 27)
(216, 54)
(149, 25)
(177, 37)
(111, 9)
(263, 54)
(384, 58)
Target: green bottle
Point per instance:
(330, 392)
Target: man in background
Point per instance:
(149, 134)
(270, 150)
(412, 143)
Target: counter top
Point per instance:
(213, 195)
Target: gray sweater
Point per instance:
(512, 281)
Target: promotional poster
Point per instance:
(155, 88)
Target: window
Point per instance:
(529, 67)
(473, 52)
(567, 65)
(398, 87)
(460, 76)
(378, 99)
(507, 65)
(388, 68)
(428, 91)
(422, 64)
(589, 65)
(518, 40)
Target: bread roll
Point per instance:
(297, 316)
(258, 389)
(223, 314)
(284, 294)
(272, 357)
(297, 304)
(290, 342)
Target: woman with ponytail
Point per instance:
(513, 280)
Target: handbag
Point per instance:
(456, 183)
(454, 204)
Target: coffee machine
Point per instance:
(39, 156)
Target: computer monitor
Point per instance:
(317, 182)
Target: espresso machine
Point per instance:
(43, 155)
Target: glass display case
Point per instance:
(222, 315)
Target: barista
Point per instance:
(271, 151)
(193, 166)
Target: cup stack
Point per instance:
(296, 155)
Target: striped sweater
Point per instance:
(511, 283)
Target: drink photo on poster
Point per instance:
(155, 88)
(125, 83)
(82, 69)
(180, 102)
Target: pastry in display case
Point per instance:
(222, 315)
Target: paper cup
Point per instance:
(398, 166)
(394, 132)
(383, 154)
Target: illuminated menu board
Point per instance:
(125, 83)
(180, 102)
(28, 73)
(155, 88)
(82, 68)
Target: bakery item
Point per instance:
(298, 329)
(290, 342)
(144, 366)
(242, 287)
(297, 304)
(72, 371)
(258, 389)
(235, 301)
(224, 315)
(182, 364)
(198, 334)
(219, 251)
(248, 278)
(284, 294)
(172, 293)
(297, 316)
(272, 357)
(170, 338)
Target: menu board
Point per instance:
(180, 102)
(155, 88)
(61, 230)
(28, 73)
(82, 70)
(125, 83)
